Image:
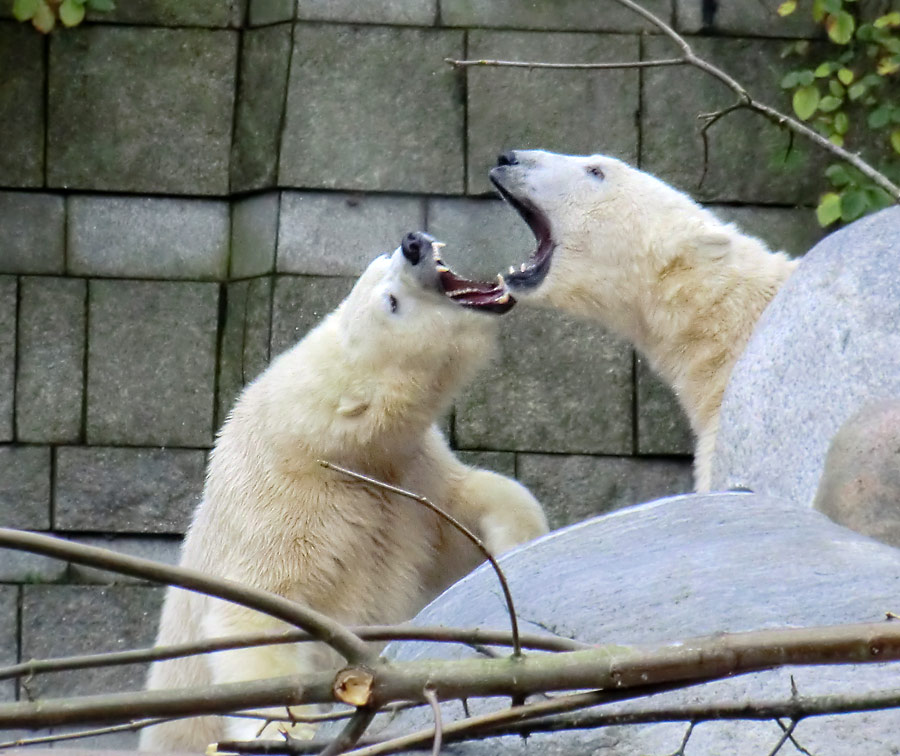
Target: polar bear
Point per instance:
(362, 390)
(620, 246)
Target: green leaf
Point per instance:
(837, 139)
(805, 101)
(841, 122)
(790, 80)
(818, 10)
(23, 10)
(787, 7)
(71, 13)
(840, 27)
(823, 70)
(887, 20)
(829, 104)
(864, 33)
(833, 6)
(845, 76)
(829, 209)
(101, 5)
(44, 20)
(806, 77)
(854, 204)
(838, 175)
(895, 140)
(880, 117)
(836, 88)
(857, 90)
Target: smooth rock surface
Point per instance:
(677, 568)
(828, 343)
(860, 486)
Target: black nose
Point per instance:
(412, 246)
(507, 158)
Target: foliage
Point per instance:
(848, 91)
(44, 13)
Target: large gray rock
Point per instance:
(21, 105)
(677, 568)
(828, 343)
(860, 486)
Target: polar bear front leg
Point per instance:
(503, 510)
(241, 665)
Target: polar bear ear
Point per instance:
(714, 245)
(352, 406)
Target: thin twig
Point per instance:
(784, 738)
(474, 637)
(136, 724)
(478, 543)
(438, 720)
(793, 739)
(324, 628)
(566, 66)
(685, 739)
(352, 732)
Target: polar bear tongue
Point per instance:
(482, 295)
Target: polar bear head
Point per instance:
(604, 232)
(383, 366)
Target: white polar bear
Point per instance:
(620, 246)
(362, 390)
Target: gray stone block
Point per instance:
(127, 490)
(794, 230)
(374, 108)
(25, 487)
(262, 87)
(50, 379)
(151, 363)
(570, 15)
(566, 111)
(147, 237)
(410, 12)
(662, 426)
(340, 234)
(860, 483)
(254, 234)
(483, 236)
(244, 351)
(9, 636)
(165, 550)
(22, 567)
(32, 232)
(748, 158)
(667, 572)
(140, 109)
(555, 385)
(8, 304)
(574, 488)
(270, 11)
(827, 344)
(759, 18)
(21, 105)
(501, 462)
(222, 13)
(62, 620)
(300, 303)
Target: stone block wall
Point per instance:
(186, 187)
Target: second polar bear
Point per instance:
(361, 390)
(620, 246)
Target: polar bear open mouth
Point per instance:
(531, 272)
(481, 295)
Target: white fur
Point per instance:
(363, 390)
(656, 268)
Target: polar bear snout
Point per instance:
(507, 158)
(414, 244)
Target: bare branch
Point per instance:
(685, 739)
(478, 543)
(474, 637)
(566, 66)
(784, 738)
(350, 735)
(438, 720)
(322, 627)
(134, 725)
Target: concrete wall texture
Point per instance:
(187, 186)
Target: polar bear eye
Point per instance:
(596, 171)
(393, 301)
